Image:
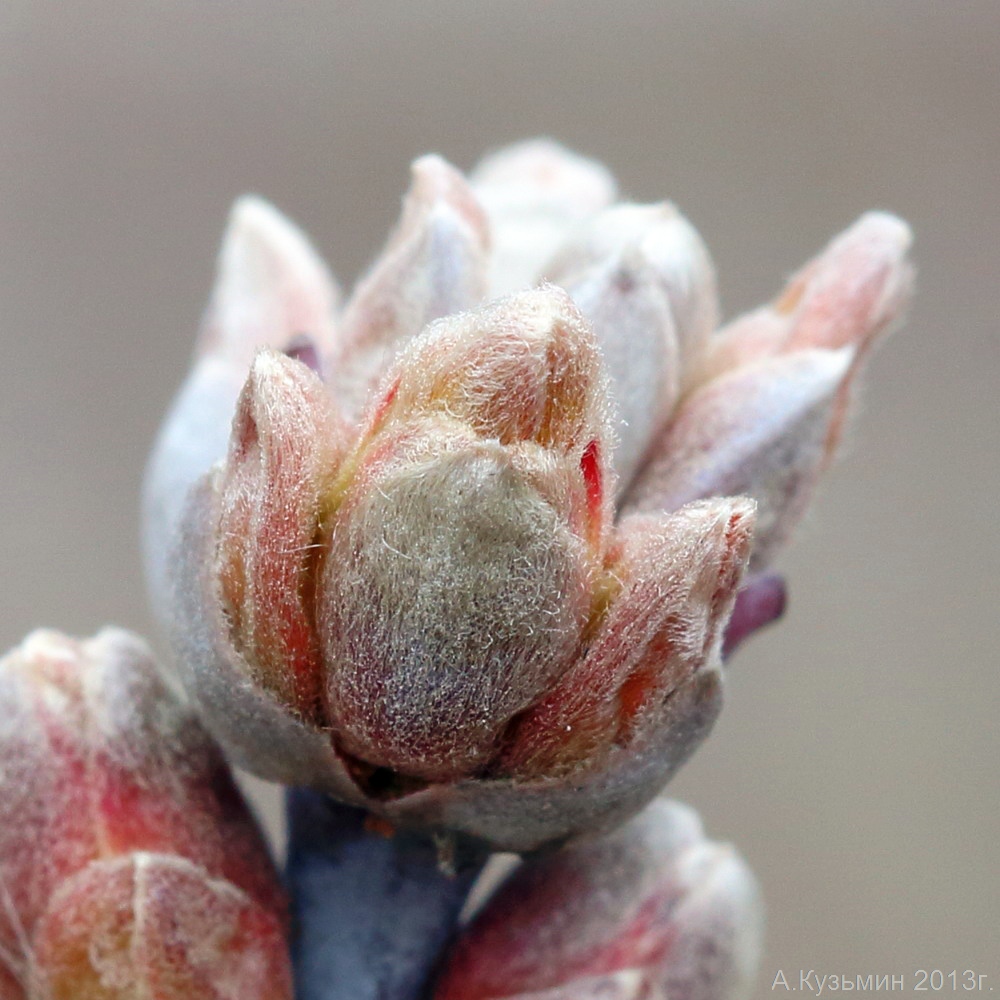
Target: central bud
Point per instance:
(453, 595)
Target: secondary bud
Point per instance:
(651, 911)
(667, 245)
(535, 194)
(851, 293)
(760, 431)
(434, 265)
(116, 809)
(156, 926)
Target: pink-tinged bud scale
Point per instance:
(284, 452)
(676, 578)
(434, 265)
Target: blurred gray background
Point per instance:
(856, 762)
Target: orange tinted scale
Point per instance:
(379, 827)
(90, 924)
(296, 652)
(565, 397)
(634, 694)
(788, 301)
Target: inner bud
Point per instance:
(453, 595)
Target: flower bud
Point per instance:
(127, 858)
(425, 577)
(652, 911)
(272, 290)
(677, 577)
(632, 319)
(454, 596)
(525, 368)
(669, 247)
(761, 431)
(271, 286)
(435, 264)
(854, 291)
(535, 194)
(767, 414)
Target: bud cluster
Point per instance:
(464, 550)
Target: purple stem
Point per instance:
(761, 601)
(371, 913)
(303, 348)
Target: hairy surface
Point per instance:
(470, 560)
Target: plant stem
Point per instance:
(372, 913)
